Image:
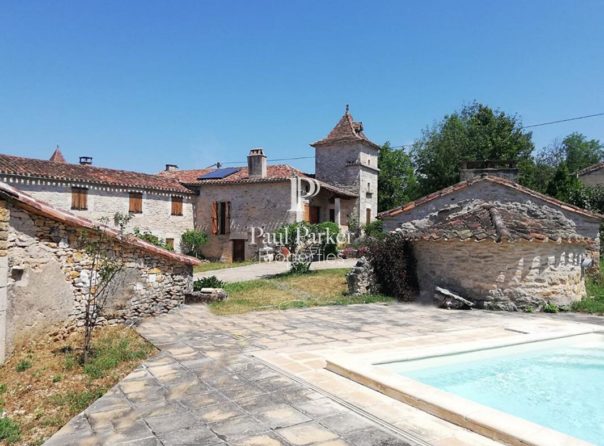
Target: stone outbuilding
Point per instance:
(499, 244)
(45, 271)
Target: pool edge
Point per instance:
(497, 425)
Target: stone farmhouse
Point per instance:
(499, 244)
(228, 203)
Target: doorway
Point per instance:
(238, 250)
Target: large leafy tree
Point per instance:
(396, 181)
(581, 152)
(550, 170)
(475, 133)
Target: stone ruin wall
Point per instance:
(46, 277)
(502, 276)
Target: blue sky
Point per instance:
(137, 84)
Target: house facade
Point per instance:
(158, 205)
(592, 176)
(234, 205)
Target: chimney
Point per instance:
(171, 167)
(494, 168)
(256, 163)
(85, 160)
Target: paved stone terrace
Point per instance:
(205, 388)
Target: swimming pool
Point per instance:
(557, 383)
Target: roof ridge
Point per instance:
(494, 179)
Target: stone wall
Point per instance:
(263, 205)
(505, 276)
(104, 202)
(595, 178)
(48, 275)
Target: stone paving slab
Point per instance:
(205, 387)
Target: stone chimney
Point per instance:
(504, 169)
(171, 167)
(256, 163)
(85, 160)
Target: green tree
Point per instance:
(581, 152)
(477, 132)
(397, 183)
(563, 184)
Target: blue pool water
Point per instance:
(558, 384)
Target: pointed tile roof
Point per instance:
(57, 156)
(346, 130)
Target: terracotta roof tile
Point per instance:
(35, 168)
(590, 169)
(499, 222)
(274, 174)
(39, 207)
(57, 156)
(346, 130)
(496, 180)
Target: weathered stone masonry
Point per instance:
(46, 276)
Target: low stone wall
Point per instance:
(502, 276)
(48, 274)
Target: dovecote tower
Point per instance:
(346, 158)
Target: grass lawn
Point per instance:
(594, 302)
(211, 266)
(326, 287)
(43, 385)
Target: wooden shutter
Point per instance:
(227, 215)
(306, 212)
(170, 244)
(79, 198)
(136, 203)
(214, 217)
(176, 205)
(368, 215)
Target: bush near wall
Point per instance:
(393, 262)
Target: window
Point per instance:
(79, 198)
(176, 205)
(170, 244)
(136, 203)
(221, 217)
(368, 215)
(332, 215)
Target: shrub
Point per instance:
(192, 241)
(327, 233)
(550, 308)
(9, 431)
(394, 265)
(207, 282)
(300, 265)
(23, 365)
(152, 238)
(375, 229)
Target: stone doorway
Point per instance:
(238, 250)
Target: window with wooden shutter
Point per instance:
(79, 198)
(176, 205)
(306, 212)
(214, 217)
(368, 215)
(136, 203)
(227, 217)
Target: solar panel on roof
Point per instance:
(219, 174)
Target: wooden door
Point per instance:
(315, 214)
(238, 250)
